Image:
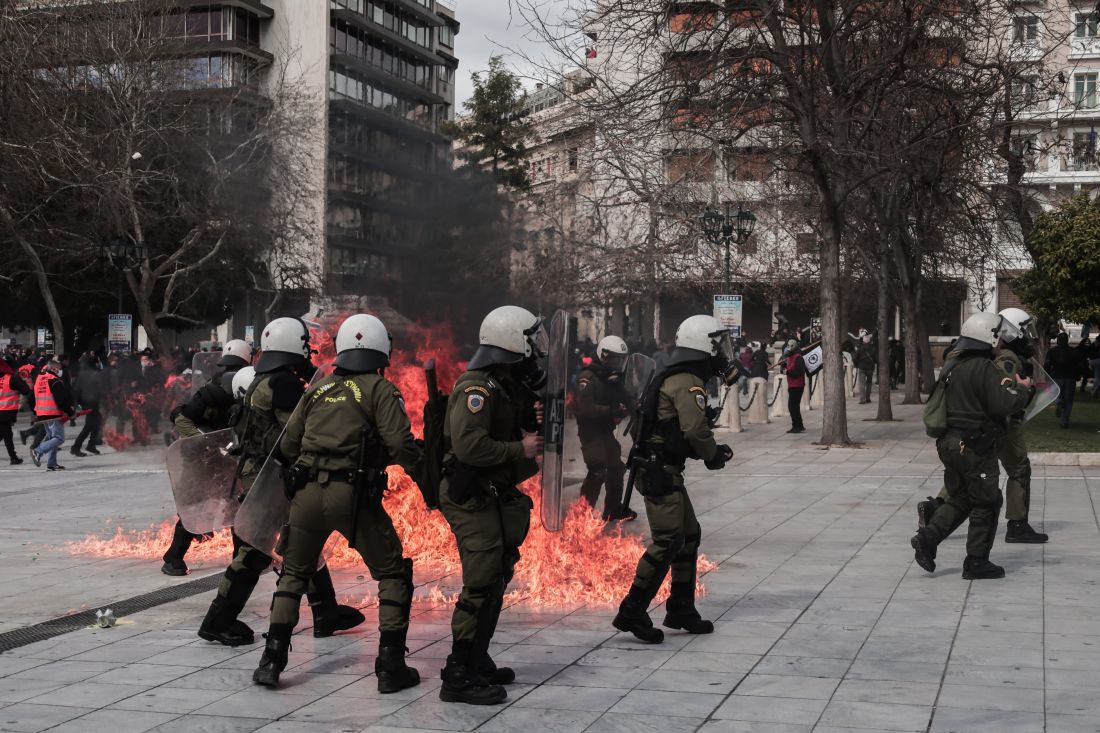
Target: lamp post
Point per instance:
(727, 227)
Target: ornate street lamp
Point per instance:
(728, 227)
(123, 253)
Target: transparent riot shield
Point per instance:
(639, 371)
(266, 509)
(204, 368)
(202, 473)
(1046, 391)
(562, 362)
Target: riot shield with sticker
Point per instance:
(1046, 391)
(266, 509)
(204, 368)
(561, 458)
(202, 473)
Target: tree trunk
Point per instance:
(910, 316)
(43, 281)
(928, 373)
(882, 325)
(834, 428)
(143, 295)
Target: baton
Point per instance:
(63, 418)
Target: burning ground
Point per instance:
(587, 562)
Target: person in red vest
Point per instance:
(795, 368)
(52, 401)
(12, 388)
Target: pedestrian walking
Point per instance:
(795, 369)
(89, 391)
(12, 390)
(1064, 364)
(52, 402)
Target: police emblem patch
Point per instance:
(475, 402)
(701, 401)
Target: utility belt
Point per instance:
(980, 441)
(656, 480)
(464, 482)
(372, 481)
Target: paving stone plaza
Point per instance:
(823, 621)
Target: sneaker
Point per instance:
(93, 451)
(58, 467)
(37, 458)
(77, 452)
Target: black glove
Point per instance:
(719, 461)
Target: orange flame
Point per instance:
(588, 562)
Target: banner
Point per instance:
(814, 359)
(41, 341)
(250, 335)
(120, 332)
(727, 309)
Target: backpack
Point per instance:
(935, 410)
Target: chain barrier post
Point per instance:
(779, 407)
(758, 409)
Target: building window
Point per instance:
(1084, 89)
(446, 36)
(1025, 92)
(1025, 29)
(691, 22)
(1084, 152)
(1027, 148)
(1086, 25)
(689, 167)
(574, 159)
(746, 164)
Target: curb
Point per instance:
(1065, 459)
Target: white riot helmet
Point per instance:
(612, 351)
(980, 331)
(284, 341)
(1017, 325)
(235, 354)
(362, 344)
(700, 337)
(242, 380)
(509, 335)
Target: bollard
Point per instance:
(730, 419)
(758, 413)
(779, 387)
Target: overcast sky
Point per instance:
(488, 28)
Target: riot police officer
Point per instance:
(282, 372)
(207, 411)
(980, 399)
(601, 402)
(1018, 339)
(351, 426)
(675, 427)
(491, 427)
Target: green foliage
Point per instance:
(497, 129)
(1066, 246)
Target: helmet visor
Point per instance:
(537, 338)
(724, 345)
(1026, 331)
(614, 362)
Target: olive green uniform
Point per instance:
(1013, 453)
(981, 398)
(683, 432)
(488, 514)
(596, 407)
(325, 438)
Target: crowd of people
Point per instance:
(136, 389)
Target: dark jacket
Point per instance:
(89, 386)
(1063, 362)
(759, 364)
(865, 357)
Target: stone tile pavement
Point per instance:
(824, 623)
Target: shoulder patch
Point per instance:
(400, 400)
(475, 402)
(476, 388)
(701, 401)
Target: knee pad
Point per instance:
(677, 545)
(256, 561)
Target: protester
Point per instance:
(795, 369)
(746, 369)
(52, 401)
(89, 392)
(12, 389)
(865, 361)
(1064, 364)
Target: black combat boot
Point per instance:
(222, 625)
(924, 550)
(496, 675)
(925, 510)
(16, 460)
(680, 611)
(274, 659)
(979, 568)
(461, 684)
(328, 619)
(1020, 531)
(390, 668)
(173, 556)
(632, 617)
